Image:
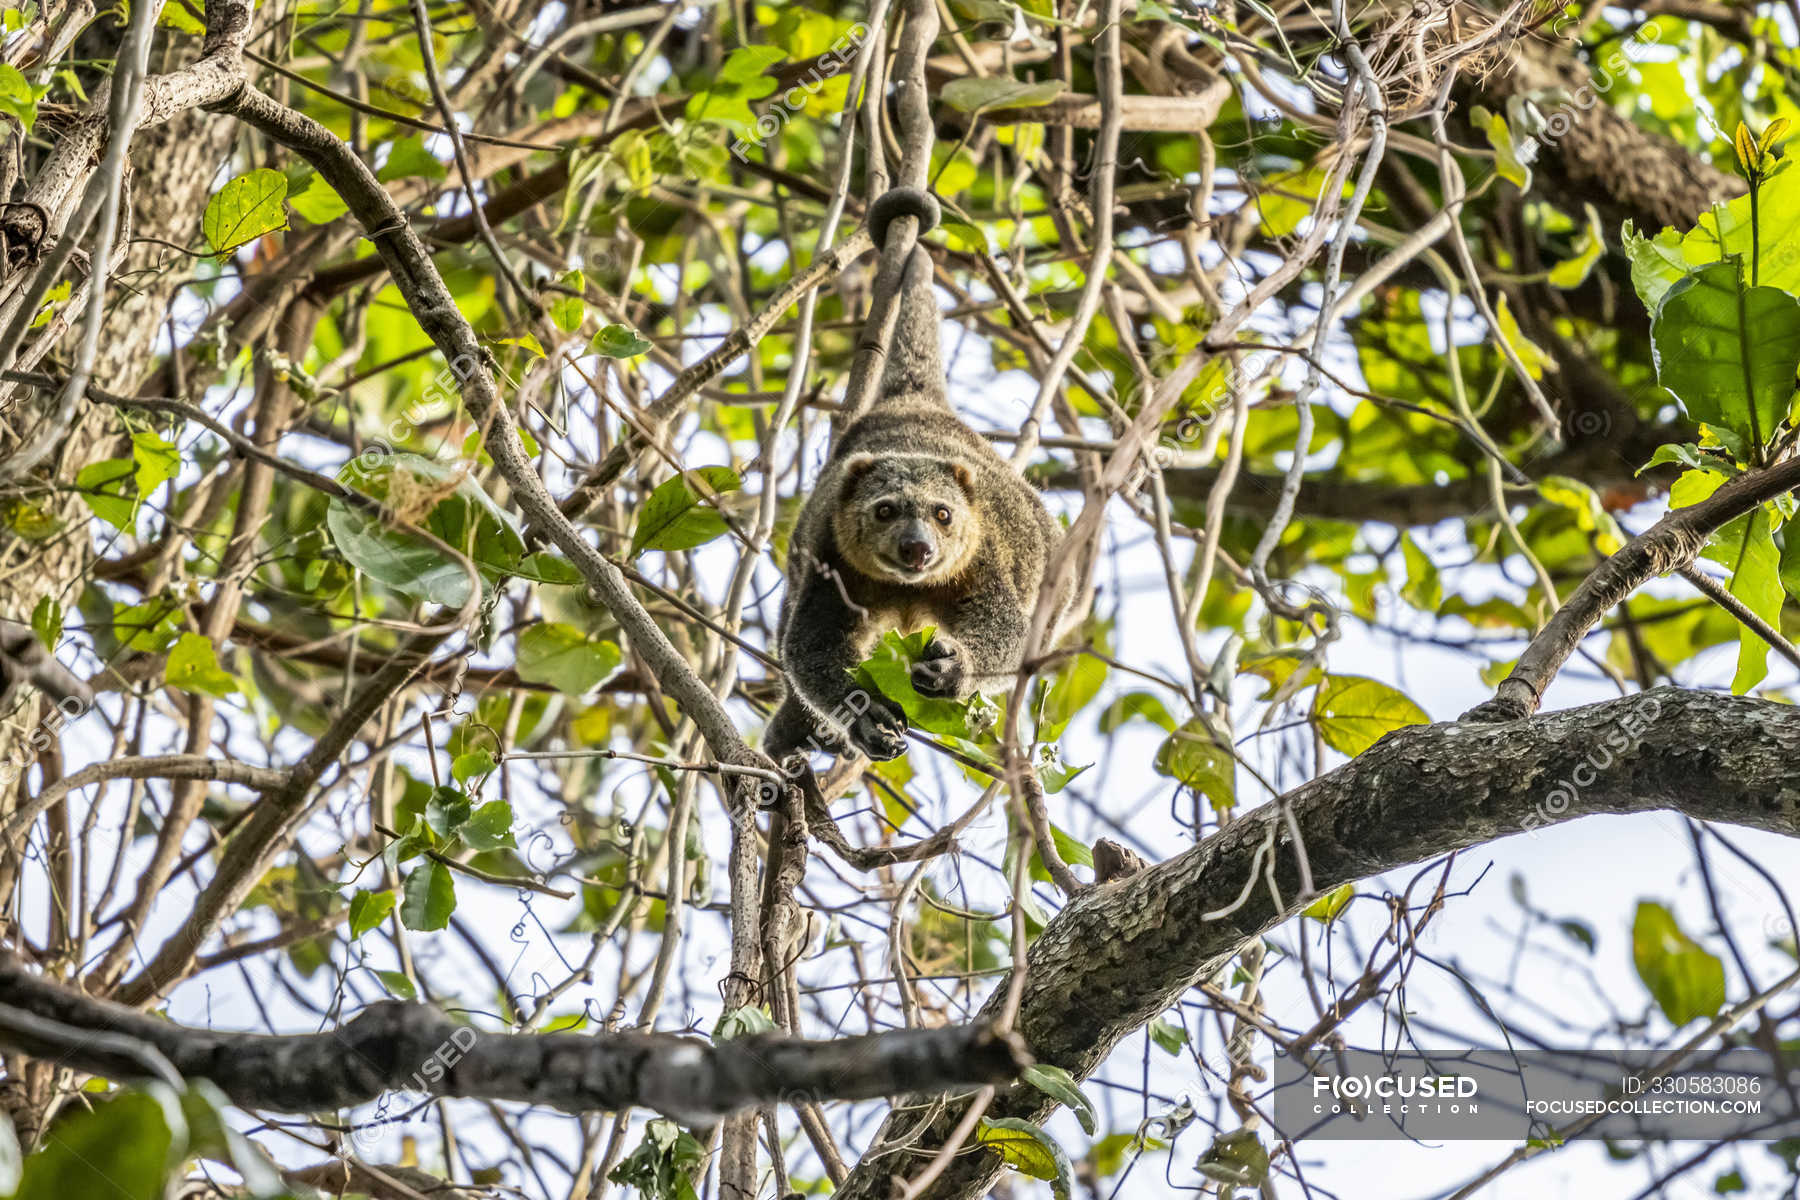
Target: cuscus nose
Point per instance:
(915, 552)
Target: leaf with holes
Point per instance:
(618, 341)
(194, 667)
(245, 209)
(565, 658)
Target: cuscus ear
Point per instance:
(855, 467)
(965, 478)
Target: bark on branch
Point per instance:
(391, 1046)
(1121, 954)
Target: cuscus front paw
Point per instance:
(942, 671)
(880, 730)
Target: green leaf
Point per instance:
(1728, 351)
(408, 158)
(960, 235)
(1584, 504)
(1353, 712)
(1579, 932)
(618, 341)
(1572, 272)
(488, 827)
(1530, 353)
(119, 1150)
(1746, 546)
(1027, 1148)
(1108, 1155)
(463, 515)
(17, 97)
(565, 658)
(1075, 683)
(194, 667)
(977, 94)
(1423, 589)
(210, 1135)
(1685, 454)
(52, 298)
(47, 621)
(1286, 198)
(546, 566)
(750, 62)
(369, 909)
(1723, 231)
(888, 671)
(1686, 980)
(430, 896)
(1139, 706)
(445, 809)
(1506, 157)
(1326, 908)
(472, 765)
(663, 1165)
(524, 341)
(747, 1021)
(568, 312)
(1168, 1036)
(674, 518)
(175, 16)
(318, 202)
(1198, 757)
(1061, 1087)
(1237, 1158)
(156, 460)
(398, 985)
(245, 209)
(1789, 568)
(107, 487)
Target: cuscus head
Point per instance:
(907, 518)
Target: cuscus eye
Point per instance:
(942, 514)
(885, 511)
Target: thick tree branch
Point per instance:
(391, 1046)
(1122, 953)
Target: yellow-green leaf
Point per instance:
(1353, 712)
(1530, 353)
(1573, 271)
(18, 98)
(1027, 1148)
(1686, 980)
(245, 209)
(194, 667)
(565, 658)
(1326, 908)
(1746, 547)
(1506, 156)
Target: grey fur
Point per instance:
(898, 469)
